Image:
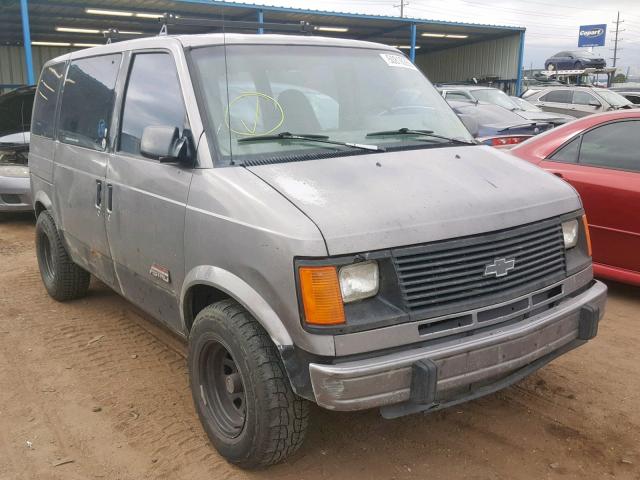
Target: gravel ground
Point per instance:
(94, 389)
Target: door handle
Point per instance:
(109, 197)
(98, 195)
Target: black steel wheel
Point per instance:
(240, 388)
(63, 279)
(223, 389)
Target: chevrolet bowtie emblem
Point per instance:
(500, 267)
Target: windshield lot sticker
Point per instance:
(397, 61)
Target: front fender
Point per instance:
(40, 197)
(243, 293)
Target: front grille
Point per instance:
(449, 276)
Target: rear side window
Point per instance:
(45, 102)
(153, 98)
(87, 101)
(557, 96)
(568, 153)
(583, 98)
(615, 145)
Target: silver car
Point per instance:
(314, 220)
(15, 117)
(578, 101)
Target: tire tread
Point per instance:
(71, 281)
(287, 414)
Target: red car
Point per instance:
(600, 156)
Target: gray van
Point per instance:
(311, 216)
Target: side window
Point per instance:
(45, 101)
(634, 98)
(615, 145)
(87, 101)
(557, 96)
(583, 98)
(568, 153)
(152, 76)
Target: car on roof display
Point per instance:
(574, 60)
(598, 156)
(498, 97)
(15, 118)
(309, 238)
(496, 126)
(579, 101)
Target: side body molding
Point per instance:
(241, 291)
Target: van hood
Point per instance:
(371, 202)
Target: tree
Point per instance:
(620, 78)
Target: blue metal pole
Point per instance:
(261, 22)
(520, 65)
(28, 57)
(412, 52)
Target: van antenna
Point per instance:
(164, 19)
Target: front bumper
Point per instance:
(434, 377)
(15, 194)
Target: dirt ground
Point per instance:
(93, 389)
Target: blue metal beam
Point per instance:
(520, 65)
(412, 52)
(420, 21)
(28, 57)
(260, 21)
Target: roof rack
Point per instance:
(573, 73)
(168, 19)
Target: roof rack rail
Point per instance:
(168, 19)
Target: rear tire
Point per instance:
(63, 279)
(240, 389)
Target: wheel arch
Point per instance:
(207, 284)
(41, 202)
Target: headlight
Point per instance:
(570, 233)
(358, 281)
(14, 171)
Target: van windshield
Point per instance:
(337, 93)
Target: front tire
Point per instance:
(240, 389)
(63, 279)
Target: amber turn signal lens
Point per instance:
(587, 234)
(321, 296)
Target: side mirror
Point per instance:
(595, 103)
(165, 144)
(471, 123)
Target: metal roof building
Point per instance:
(33, 31)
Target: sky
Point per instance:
(552, 25)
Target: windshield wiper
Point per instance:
(309, 138)
(426, 133)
